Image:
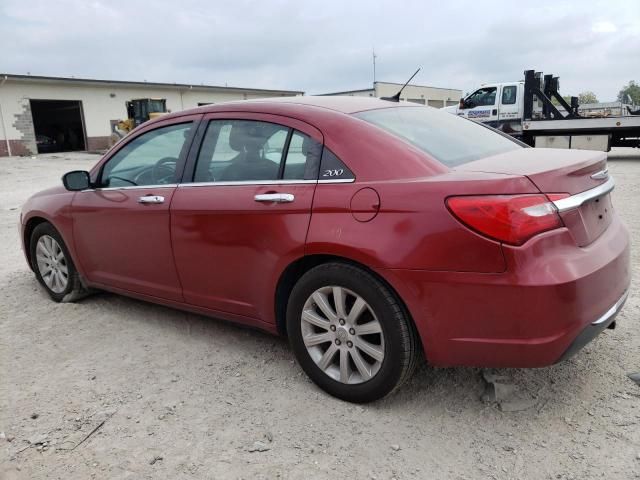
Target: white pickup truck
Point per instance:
(524, 110)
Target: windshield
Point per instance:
(449, 139)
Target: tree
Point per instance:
(566, 98)
(632, 90)
(587, 97)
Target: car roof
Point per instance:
(344, 104)
(341, 104)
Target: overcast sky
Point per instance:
(324, 46)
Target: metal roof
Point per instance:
(121, 83)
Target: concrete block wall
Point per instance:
(23, 123)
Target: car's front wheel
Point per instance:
(53, 265)
(349, 333)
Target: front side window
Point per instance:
(509, 95)
(148, 159)
(247, 150)
(448, 138)
(481, 98)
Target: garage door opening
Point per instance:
(59, 125)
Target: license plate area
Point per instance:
(596, 215)
(590, 220)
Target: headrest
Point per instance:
(250, 135)
(309, 145)
(243, 135)
(306, 145)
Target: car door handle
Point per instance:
(151, 199)
(275, 197)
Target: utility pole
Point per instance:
(374, 65)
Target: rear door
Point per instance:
(245, 213)
(508, 116)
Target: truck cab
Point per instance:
(499, 105)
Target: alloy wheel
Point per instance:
(52, 264)
(342, 335)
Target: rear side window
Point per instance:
(248, 150)
(509, 95)
(448, 138)
(303, 158)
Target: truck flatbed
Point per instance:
(607, 124)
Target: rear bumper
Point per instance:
(538, 312)
(594, 329)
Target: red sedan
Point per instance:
(369, 232)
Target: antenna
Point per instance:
(396, 97)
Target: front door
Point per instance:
(245, 216)
(121, 227)
(481, 106)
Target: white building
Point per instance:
(82, 111)
(432, 96)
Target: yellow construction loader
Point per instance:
(139, 110)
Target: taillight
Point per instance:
(512, 219)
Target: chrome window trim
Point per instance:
(244, 182)
(613, 310)
(132, 187)
(261, 182)
(575, 201)
(338, 180)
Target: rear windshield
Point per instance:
(446, 137)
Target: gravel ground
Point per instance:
(175, 395)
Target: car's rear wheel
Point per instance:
(53, 265)
(350, 333)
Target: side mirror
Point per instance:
(76, 180)
(461, 106)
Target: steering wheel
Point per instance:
(164, 170)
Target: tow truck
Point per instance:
(526, 110)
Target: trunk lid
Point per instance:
(556, 171)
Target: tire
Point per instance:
(45, 243)
(381, 343)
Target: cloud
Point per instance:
(321, 46)
(604, 27)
